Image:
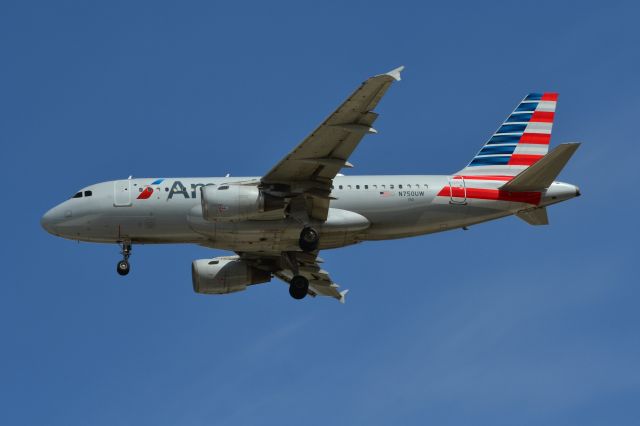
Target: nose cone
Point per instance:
(50, 219)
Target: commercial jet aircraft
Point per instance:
(276, 224)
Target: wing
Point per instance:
(288, 264)
(309, 169)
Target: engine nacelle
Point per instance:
(231, 202)
(223, 275)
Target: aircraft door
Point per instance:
(122, 193)
(457, 190)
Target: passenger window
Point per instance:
(383, 186)
(78, 195)
(375, 186)
(220, 188)
(340, 187)
(390, 186)
(357, 186)
(366, 187)
(399, 186)
(88, 193)
(349, 186)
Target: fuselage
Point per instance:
(362, 208)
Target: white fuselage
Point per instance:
(365, 208)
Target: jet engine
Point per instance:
(223, 275)
(236, 202)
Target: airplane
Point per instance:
(277, 223)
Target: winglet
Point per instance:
(395, 73)
(343, 294)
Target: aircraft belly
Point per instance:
(342, 228)
(400, 218)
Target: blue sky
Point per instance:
(503, 324)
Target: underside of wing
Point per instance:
(288, 265)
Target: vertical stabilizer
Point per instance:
(521, 140)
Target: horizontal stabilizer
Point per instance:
(541, 174)
(534, 216)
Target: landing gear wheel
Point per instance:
(298, 287)
(123, 267)
(309, 239)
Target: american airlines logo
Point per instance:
(148, 191)
(177, 189)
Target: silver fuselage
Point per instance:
(364, 208)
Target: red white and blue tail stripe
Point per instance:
(521, 140)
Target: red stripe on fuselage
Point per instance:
(491, 194)
(487, 177)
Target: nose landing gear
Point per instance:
(123, 265)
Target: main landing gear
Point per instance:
(298, 287)
(309, 239)
(123, 265)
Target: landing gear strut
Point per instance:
(309, 239)
(298, 287)
(123, 265)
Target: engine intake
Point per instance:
(231, 202)
(223, 275)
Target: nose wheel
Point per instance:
(123, 265)
(298, 287)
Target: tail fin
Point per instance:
(521, 140)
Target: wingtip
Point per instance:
(343, 295)
(395, 73)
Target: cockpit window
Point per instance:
(88, 193)
(78, 195)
